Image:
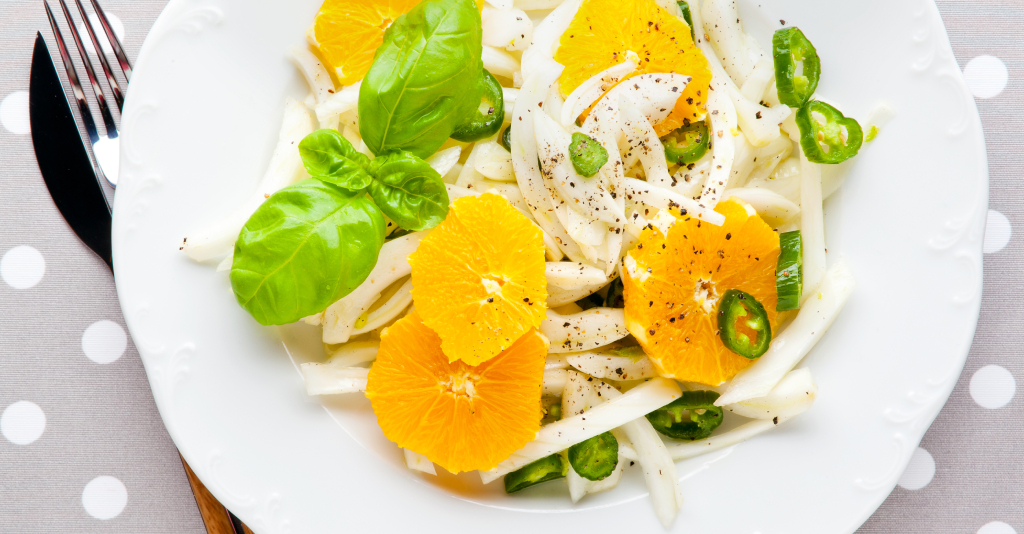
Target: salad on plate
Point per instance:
(551, 239)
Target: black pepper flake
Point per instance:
(728, 236)
(651, 331)
(490, 299)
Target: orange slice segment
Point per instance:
(459, 416)
(673, 288)
(602, 33)
(348, 32)
(478, 278)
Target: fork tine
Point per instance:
(111, 81)
(108, 119)
(115, 43)
(76, 88)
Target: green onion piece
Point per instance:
(789, 271)
(506, 138)
(686, 144)
(486, 119)
(826, 135)
(543, 470)
(587, 155)
(692, 416)
(797, 66)
(595, 458)
(689, 20)
(740, 318)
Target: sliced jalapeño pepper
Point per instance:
(595, 458)
(691, 416)
(486, 120)
(788, 271)
(587, 155)
(797, 67)
(686, 16)
(740, 318)
(543, 470)
(687, 144)
(826, 135)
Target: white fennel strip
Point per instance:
(339, 319)
(585, 330)
(789, 347)
(524, 157)
(506, 28)
(354, 353)
(556, 361)
(722, 112)
(342, 101)
(569, 282)
(444, 160)
(650, 195)
(285, 168)
(565, 433)
(774, 208)
(591, 90)
(313, 71)
(613, 367)
(419, 462)
(387, 312)
(554, 382)
(326, 379)
(792, 396)
(644, 143)
(581, 394)
(692, 449)
(589, 196)
(733, 48)
(653, 457)
(812, 226)
(499, 62)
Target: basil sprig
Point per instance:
(425, 78)
(314, 242)
(306, 246)
(406, 188)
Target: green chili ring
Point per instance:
(486, 119)
(793, 52)
(740, 307)
(687, 144)
(595, 458)
(543, 470)
(832, 139)
(702, 419)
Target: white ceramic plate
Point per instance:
(199, 126)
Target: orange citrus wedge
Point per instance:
(459, 416)
(673, 288)
(478, 278)
(348, 32)
(603, 31)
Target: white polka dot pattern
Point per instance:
(22, 422)
(996, 527)
(997, 232)
(14, 112)
(22, 267)
(104, 497)
(986, 76)
(104, 341)
(992, 387)
(920, 471)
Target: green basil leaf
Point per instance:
(331, 158)
(307, 246)
(424, 80)
(408, 190)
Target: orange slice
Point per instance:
(673, 289)
(459, 416)
(478, 278)
(602, 33)
(348, 32)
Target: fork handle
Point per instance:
(217, 518)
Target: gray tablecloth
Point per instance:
(83, 448)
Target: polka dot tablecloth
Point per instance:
(82, 448)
